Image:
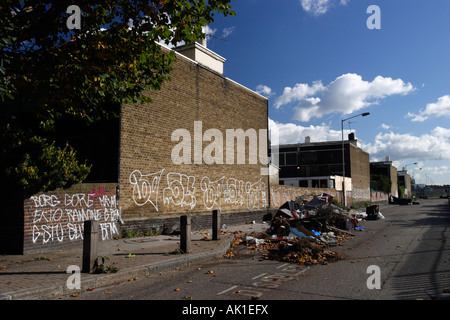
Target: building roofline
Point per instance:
(322, 143)
(306, 144)
(178, 54)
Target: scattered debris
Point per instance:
(302, 231)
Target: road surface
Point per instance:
(406, 256)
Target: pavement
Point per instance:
(44, 276)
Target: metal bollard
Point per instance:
(90, 246)
(185, 234)
(215, 225)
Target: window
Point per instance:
(291, 159)
(315, 183)
(303, 183)
(281, 161)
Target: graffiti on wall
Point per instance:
(145, 187)
(181, 191)
(61, 217)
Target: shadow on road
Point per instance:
(426, 272)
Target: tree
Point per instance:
(51, 72)
(381, 182)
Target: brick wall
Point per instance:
(55, 220)
(394, 181)
(360, 173)
(378, 196)
(196, 99)
(153, 191)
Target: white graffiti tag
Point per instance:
(256, 195)
(233, 192)
(145, 187)
(211, 192)
(180, 190)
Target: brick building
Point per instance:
(201, 145)
(198, 102)
(386, 168)
(404, 180)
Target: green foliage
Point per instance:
(401, 191)
(33, 164)
(47, 167)
(381, 182)
(111, 59)
(102, 268)
(336, 202)
(50, 73)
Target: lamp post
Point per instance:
(344, 203)
(406, 165)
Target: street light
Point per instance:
(343, 162)
(406, 165)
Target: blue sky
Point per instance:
(317, 62)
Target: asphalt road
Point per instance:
(407, 254)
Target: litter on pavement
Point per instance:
(303, 232)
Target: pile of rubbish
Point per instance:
(303, 232)
(314, 218)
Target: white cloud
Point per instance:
(299, 92)
(227, 31)
(264, 90)
(292, 133)
(436, 170)
(441, 132)
(208, 31)
(385, 126)
(441, 108)
(347, 94)
(430, 175)
(319, 7)
(407, 146)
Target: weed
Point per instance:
(102, 268)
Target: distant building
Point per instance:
(404, 180)
(386, 168)
(319, 165)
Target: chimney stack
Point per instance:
(198, 52)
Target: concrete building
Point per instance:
(386, 168)
(319, 165)
(404, 180)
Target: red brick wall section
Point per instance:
(55, 220)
